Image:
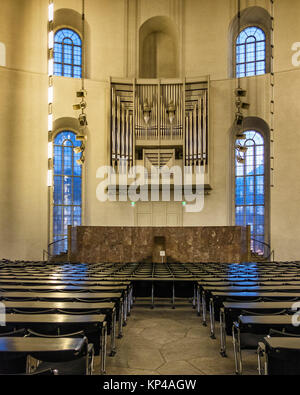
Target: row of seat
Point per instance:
(257, 305)
(252, 301)
(51, 301)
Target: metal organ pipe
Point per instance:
(189, 126)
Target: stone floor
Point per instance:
(172, 342)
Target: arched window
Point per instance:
(250, 188)
(67, 54)
(67, 194)
(251, 52)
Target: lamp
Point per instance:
(80, 149)
(81, 94)
(241, 148)
(242, 105)
(239, 119)
(239, 92)
(81, 137)
(82, 120)
(245, 106)
(147, 111)
(240, 135)
(171, 111)
(240, 159)
(80, 161)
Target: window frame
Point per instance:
(51, 214)
(267, 185)
(267, 49)
(256, 50)
(62, 27)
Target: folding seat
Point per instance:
(281, 352)
(79, 362)
(13, 363)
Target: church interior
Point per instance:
(149, 208)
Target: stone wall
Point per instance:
(93, 244)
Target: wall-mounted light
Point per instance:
(81, 137)
(239, 119)
(245, 106)
(239, 92)
(50, 122)
(82, 120)
(242, 105)
(50, 67)
(80, 161)
(50, 150)
(240, 159)
(80, 106)
(171, 111)
(50, 11)
(147, 112)
(79, 150)
(51, 40)
(241, 148)
(240, 135)
(50, 95)
(50, 178)
(81, 94)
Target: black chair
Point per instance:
(13, 363)
(281, 353)
(67, 363)
(250, 339)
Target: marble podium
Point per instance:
(93, 244)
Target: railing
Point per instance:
(264, 256)
(50, 248)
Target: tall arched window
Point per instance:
(67, 195)
(250, 188)
(67, 54)
(251, 52)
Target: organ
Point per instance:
(159, 122)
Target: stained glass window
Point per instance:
(67, 54)
(67, 194)
(250, 188)
(251, 52)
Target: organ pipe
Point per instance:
(189, 128)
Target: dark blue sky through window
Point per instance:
(67, 54)
(251, 52)
(250, 188)
(67, 193)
